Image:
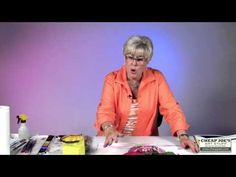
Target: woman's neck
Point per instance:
(137, 79)
(134, 85)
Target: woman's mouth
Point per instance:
(133, 71)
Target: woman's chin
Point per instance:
(133, 76)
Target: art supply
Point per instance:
(29, 146)
(4, 130)
(16, 143)
(16, 147)
(45, 145)
(32, 146)
(73, 145)
(23, 130)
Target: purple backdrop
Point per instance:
(54, 71)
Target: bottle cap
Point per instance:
(22, 118)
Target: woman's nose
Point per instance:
(134, 62)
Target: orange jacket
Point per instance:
(153, 92)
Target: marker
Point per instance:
(45, 145)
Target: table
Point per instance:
(168, 143)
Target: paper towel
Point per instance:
(4, 130)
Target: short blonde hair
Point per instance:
(139, 42)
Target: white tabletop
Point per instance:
(167, 143)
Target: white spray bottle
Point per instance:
(23, 131)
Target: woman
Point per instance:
(133, 95)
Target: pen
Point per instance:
(16, 143)
(32, 145)
(45, 145)
(29, 146)
(196, 142)
(17, 147)
(25, 147)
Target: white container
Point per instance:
(23, 131)
(4, 130)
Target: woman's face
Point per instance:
(135, 64)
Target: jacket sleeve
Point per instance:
(106, 108)
(169, 107)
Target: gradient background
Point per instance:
(54, 72)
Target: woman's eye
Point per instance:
(140, 59)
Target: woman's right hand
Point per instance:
(111, 136)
